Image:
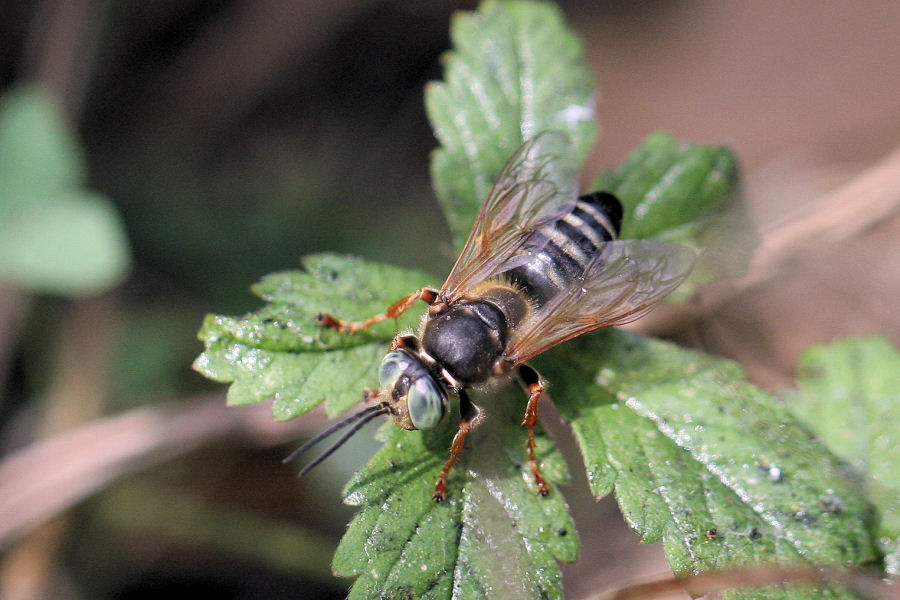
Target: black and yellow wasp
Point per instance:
(540, 267)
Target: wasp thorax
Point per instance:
(417, 401)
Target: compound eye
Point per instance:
(393, 365)
(426, 403)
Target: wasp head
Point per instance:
(416, 399)
(413, 397)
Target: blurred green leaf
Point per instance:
(713, 467)
(71, 244)
(39, 155)
(514, 72)
(280, 352)
(55, 236)
(850, 397)
(688, 194)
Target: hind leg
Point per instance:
(535, 387)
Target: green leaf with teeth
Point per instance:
(515, 70)
(715, 468)
(280, 352)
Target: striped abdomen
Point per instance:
(556, 254)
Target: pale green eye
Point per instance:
(392, 366)
(410, 383)
(426, 403)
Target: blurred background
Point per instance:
(235, 136)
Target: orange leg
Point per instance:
(456, 448)
(426, 294)
(535, 388)
(469, 414)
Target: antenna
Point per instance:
(363, 416)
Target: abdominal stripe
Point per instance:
(560, 251)
(596, 220)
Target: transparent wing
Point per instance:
(622, 283)
(530, 189)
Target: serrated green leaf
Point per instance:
(850, 397)
(688, 194)
(280, 352)
(515, 71)
(403, 544)
(700, 459)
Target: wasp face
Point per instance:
(416, 399)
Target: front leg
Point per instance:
(426, 294)
(535, 388)
(468, 418)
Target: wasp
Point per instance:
(539, 267)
